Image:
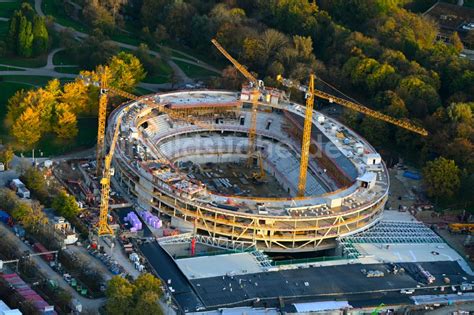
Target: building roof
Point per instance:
(450, 16)
(320, 306)
(220, 265)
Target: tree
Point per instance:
(460, 112)
(119, 296)
(40, 36)
(35, 219)
(406, 31)
(420, 97)
(8, 199)
(27, 34)
(25, 38)
(65, 205)
(456, 42)
(6, 156)
(355, 13)
(178, 19)
(126, 71)
(76, 96)
(27, 128)
(138, 297)
(376, 131)
(98, 16)
(65, 126)
(441, 178)
(34, 179)
(391, 103)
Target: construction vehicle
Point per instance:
(259, 176)
(464, 228)
(311, 93)
(256, 86)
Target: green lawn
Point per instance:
(8, 89)
(8, 68)
(142, 91)
(36, 62)
(86, 138)
(127, 39)
(27, 80)
(7, 8)
(72, 70)
(49, 8)
(194, 71)
(63, 57)
(3, 28)
(178, 54)
(207, 58)
(157, 79)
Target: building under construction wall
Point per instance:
(194, 168)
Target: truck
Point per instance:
(461, 228)
(17, 186)
(39, 248)
(76, 306)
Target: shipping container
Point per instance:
(39, 248)
(412, 175)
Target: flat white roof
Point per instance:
(321, 306)
(395, 253)
(219, 265)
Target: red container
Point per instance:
(39, 248)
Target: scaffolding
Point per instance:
(387, 232)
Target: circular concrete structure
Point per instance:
(191, 168)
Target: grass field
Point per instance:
(10, 68)
(157, 79)
(127, 39)
(36, 62)
(72, 70)
(142, 91)
(195, 71)
(27, 80)
(63, 58)
(7, 8)
(3, 28)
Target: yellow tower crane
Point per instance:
(104, 227)
(256, 85)
(99, 78)
(311, 92)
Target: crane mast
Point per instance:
(102, 117)
(104, 227)
(305, 143)
(255, 85)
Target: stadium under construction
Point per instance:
(198, 174)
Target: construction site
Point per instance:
(247, 200)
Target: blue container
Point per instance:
(4, 217)
(412, 175)
(18, 230)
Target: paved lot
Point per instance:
(321, 282)
(90, 304)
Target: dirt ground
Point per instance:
(401, 190)
(240, 177)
